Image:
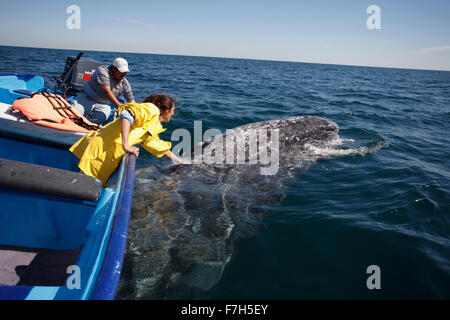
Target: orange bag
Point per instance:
(52, 110)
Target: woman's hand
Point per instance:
(186, 162)
(174, 158)
(132, 149)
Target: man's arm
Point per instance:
(111, 96)
(128, 94)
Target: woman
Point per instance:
(100, 152)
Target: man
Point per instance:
(102, 89)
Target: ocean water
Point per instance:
(380, 197)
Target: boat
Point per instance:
(62, 233)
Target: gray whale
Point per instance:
(186, 219)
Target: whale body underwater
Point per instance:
(187, 219)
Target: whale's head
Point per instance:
(285, 141)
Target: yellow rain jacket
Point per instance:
(100, 152)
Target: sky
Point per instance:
(413, 33)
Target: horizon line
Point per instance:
(236, 58)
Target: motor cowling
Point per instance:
(76, 72)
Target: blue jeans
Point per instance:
(95, 112)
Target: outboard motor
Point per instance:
(76, 72)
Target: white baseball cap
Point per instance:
(121, 64)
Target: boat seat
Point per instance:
(25, 92)
(35, 178)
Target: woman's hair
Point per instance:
(162, 101)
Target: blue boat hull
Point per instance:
(92, 232)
